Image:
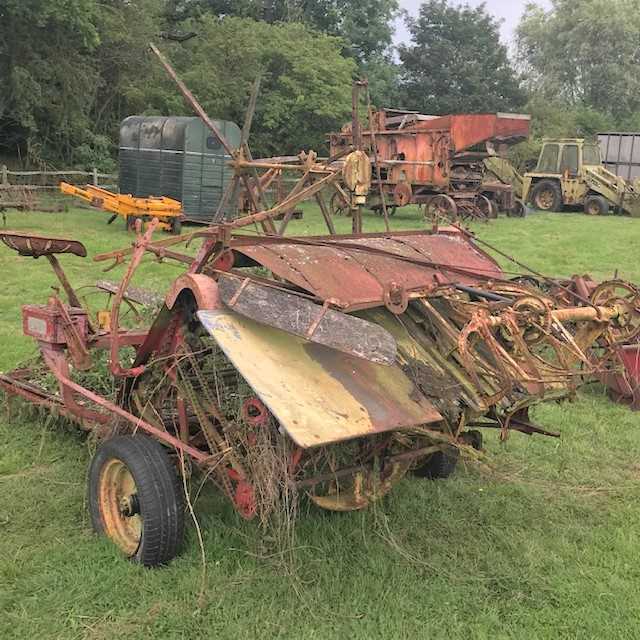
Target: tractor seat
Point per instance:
(36, 246)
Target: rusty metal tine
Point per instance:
(190, 98)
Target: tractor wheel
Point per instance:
(547, 196)
(176, 226)
(596, 205)
(136, 500)
(440, 464)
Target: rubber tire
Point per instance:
(602, 204)
(438, 465)
(545, 185)
(160, 494)
(131, 223)
(176, 226)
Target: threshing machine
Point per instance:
(434, 160)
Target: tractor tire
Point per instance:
(438, 465)
(596, 205)
(136, 499)
(546, 196)
(176, 226)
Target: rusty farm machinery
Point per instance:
(324, 368)
(435, 161)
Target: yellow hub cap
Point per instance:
(118, 500)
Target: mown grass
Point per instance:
(540, 542)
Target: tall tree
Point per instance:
(456, 62)
(584, 53)
(306, 83)
(49, 77)
(366, 26)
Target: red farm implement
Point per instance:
(435, 160)
(324, 368)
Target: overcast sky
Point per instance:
(507, 10)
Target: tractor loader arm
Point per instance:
(502, 169)
(615, 189)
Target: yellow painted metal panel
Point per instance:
(319, 395)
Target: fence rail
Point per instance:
(95, 177)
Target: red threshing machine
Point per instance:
(435, 160)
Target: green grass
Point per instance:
(544, 544)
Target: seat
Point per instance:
(37, 246)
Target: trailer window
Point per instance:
(569, 160)
(591, 154)
(548, 162)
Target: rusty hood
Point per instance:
(353, 272)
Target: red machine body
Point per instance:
(421, 155)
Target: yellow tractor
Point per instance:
(569, 172)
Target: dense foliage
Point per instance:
(456, 62)
(71, 70)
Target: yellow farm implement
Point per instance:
(167, 210)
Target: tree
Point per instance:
(306, 83)
(456, 62)
(365, 26)
(584, 53)
(49, 77)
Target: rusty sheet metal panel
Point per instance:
(341, 269)
(468, 130)
(319, 395)
(313, 322)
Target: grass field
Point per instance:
(541, 542)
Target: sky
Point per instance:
(507, 10)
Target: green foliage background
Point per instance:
(71, 70)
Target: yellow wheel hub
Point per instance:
(118, 500)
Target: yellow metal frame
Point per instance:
(126, 205)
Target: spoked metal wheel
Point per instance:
(441, 208)
(486, 208)
(627, 299)
(338, 205)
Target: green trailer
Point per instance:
(176, 157)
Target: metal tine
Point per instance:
(190, 98)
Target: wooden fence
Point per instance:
(50, 179)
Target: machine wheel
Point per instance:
(135, 499)
(440, 464)
(487, 207)
(131, 222)
(176, 226)
(547, 196)
(338, 206)
(441, 207)
(518, 210)
(596, 205)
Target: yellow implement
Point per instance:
(167, 210)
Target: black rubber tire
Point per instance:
(596, 205)
(131, 222)
(547, 185)
(176, 226)
(472, 438)
(160, 495)
(438, 465)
